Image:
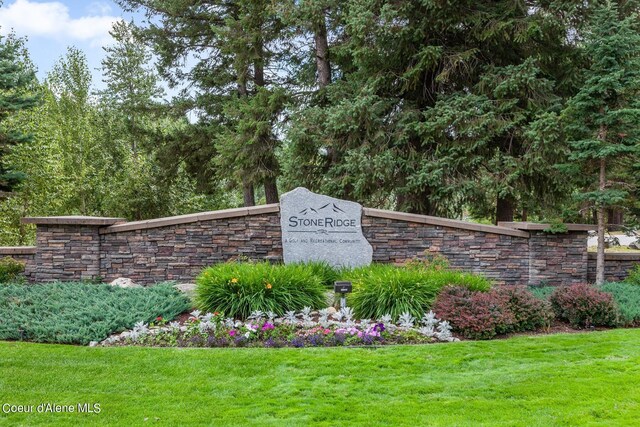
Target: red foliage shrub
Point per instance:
(583, 305)
(530, 313)
(483, 315)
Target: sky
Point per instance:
(52, 26)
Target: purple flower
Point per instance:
(232, 333)
(379, 327)
(268, 326)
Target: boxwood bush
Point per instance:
(78, 313)
(237, 289)
(382, 289)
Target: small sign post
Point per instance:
(343, 288)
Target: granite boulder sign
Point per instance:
(322, 228)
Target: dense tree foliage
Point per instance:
(491, 110)
(604, 117)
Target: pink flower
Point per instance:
(267, 326)
(232, 333)
(327, 331)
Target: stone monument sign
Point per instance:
(322, 228)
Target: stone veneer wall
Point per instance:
(179, 252)
(500, 257)
(616, 265)
(177, 248)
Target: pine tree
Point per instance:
(17, 93)
(227, 56)
(604, 117)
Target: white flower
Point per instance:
(196, 313)
(207, 317)
(290, 317)
(406, 320)
(246, 335)
(429, 319)
(256, 315)
(386, 319)
(174, 326)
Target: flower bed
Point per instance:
(307, 328)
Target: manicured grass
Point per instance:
(569, 379)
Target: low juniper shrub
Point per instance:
(483, 315)
(627, 298)
(583, 306)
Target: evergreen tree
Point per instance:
(604, 117)
(226, 53)
(17, 93)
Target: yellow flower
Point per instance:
(268, 286)
(234, 280)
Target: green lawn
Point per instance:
(573, 379)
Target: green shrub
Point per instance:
(77, 313)
(10, 270)
(627, 297)
(542, 292)
(381, 289)
(634, 276)
(327, 274)
(237, 289)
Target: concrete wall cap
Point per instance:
(617, 256)
(191, 218)
(17, 250)
(72, 220)
(444, 222)
(534, 226)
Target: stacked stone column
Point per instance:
(67, 248)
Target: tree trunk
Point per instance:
(248, 194)
(323, 65)
(271, 190)
(269, 181)
(614, 216)
(504, 209)
(601, 226)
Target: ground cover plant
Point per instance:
(565, 379)
(239, 288)
(627, 298)
(382, 289)
(78, 313)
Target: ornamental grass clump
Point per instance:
(238, 289)
(382, 289)
(583, 305)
